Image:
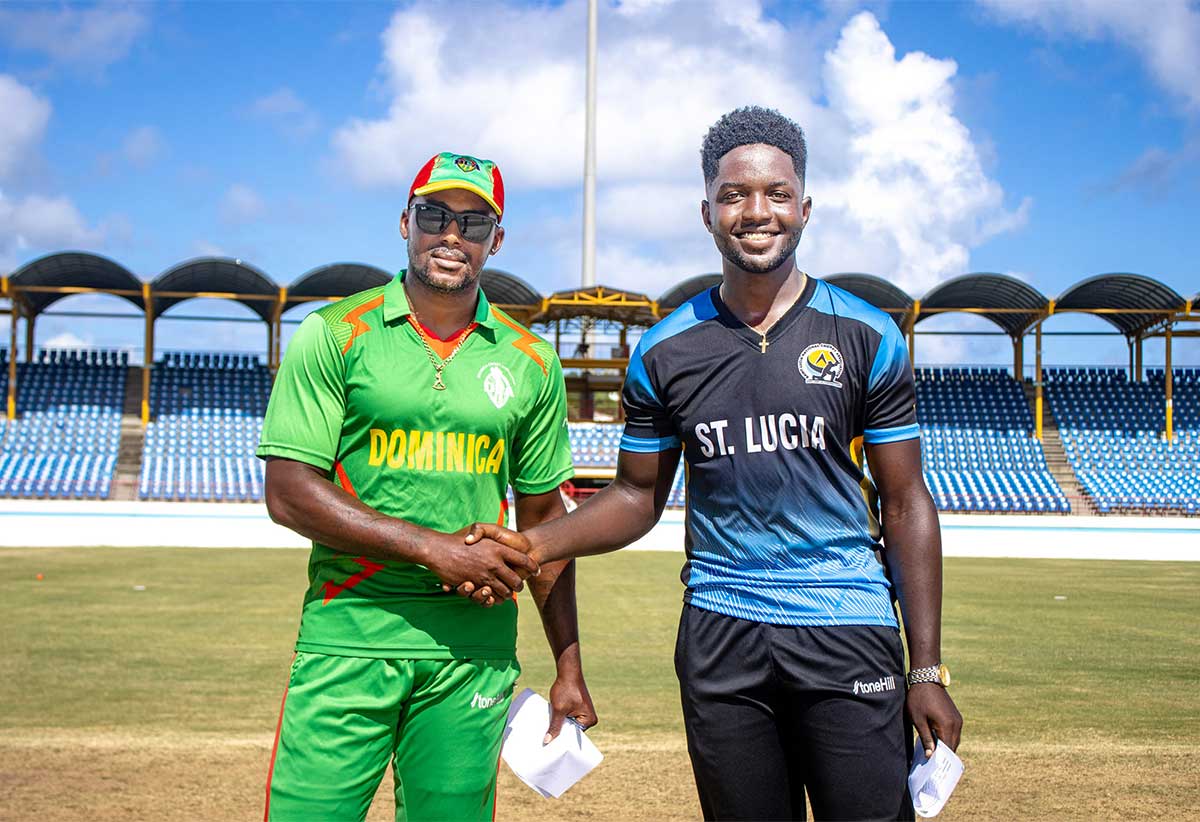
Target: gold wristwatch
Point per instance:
(938, 674)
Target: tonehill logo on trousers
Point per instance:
(481, 701)
(884, 683)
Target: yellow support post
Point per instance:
(1170, 382)
(912, 335)
(1037, 378)
(277, 346)
(29, 337)
(148, 351)
(12, 359)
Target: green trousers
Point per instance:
(438, 721)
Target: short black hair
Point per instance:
(749, 125)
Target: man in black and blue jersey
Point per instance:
(774, 386)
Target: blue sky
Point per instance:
(1047, 139)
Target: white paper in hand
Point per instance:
(931, 781)
(548, 769)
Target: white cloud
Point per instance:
(143, 146)
(898, 182)
(25, 118)
(290, 114)
(1165, 34)
(241, 204)
(91, 38)
(66, 339)
(41, 223)
(203, 248)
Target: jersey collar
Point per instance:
(395, 303)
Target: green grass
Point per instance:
(205, 647)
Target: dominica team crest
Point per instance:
(822, 364)
(497, 383)
(466, 164)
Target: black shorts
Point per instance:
(774, 710)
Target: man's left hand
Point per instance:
(934, 715)
(569, 697)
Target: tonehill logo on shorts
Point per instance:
(884, 683)
(481, 701)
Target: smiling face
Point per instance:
(756, 209)
(447, 262)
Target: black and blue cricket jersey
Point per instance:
(782, 524)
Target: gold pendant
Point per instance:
(438, 385)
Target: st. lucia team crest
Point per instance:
(822, 364)
(497, 383)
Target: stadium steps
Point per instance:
(1056, 456)
(133, 436)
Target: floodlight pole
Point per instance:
(589, 157)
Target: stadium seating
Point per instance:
(206, 412)
(63, 444)
(979, 450)
(594, 444)
(1112, 432)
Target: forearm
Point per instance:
(913, 551)
(321, 511)
(617, 515)
(553, 590)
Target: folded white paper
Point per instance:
(931, 781)
(548, 769)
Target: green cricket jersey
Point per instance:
(354, 397)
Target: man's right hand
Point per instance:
(487, 531)
(470, 558)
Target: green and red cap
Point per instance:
(449, 170)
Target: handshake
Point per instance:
(485, 562)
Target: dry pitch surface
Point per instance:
(160, 704)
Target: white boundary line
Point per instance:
(37, 523)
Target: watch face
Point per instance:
(944, 676)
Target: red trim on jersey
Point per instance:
(442, 348)
(369, 569)
(503, 512)
(344, 479)
(275, 747)
(525, 343)
(354, 319)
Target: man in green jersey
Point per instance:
(400, 416)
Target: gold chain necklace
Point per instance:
(438, 363)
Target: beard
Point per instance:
(756, 265)
(445, 285)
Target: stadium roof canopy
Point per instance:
(334, 280)
(1010, 303)
(1121, 296)
(883, 294)
(601, 303)
(78, 271)
(507, 289)
(217, 277)
(679, 294)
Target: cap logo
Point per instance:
(467, 164)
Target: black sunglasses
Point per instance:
(433, 219)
